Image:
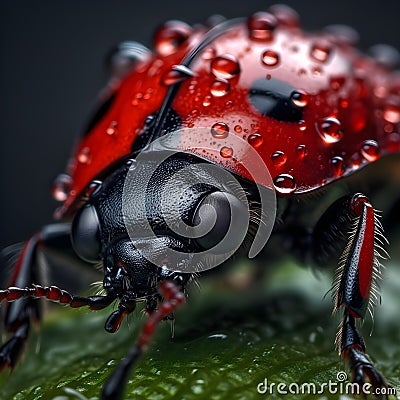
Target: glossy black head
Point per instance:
(114, 228)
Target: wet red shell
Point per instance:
(350, 105)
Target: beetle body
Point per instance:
(313, 97)
(265, 105)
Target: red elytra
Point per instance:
(346, 105)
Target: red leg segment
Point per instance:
(356, 289)
(11, 350)
(55, 294)
(24, 307)
(173, 298)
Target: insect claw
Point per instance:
(115, 319)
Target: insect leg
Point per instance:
(12, 349)
(19, 315)
(173, 298)
(355, 285)
(23, 311)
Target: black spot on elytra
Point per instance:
(272, 98)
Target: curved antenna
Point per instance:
(207, 39)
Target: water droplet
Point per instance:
(302, 72)
(356, 161)
(320, 50)
(170, 36)
(302, 125)
(124, 57)
(329, 129)
(112, 128)
(270, 58)
(138, 97)
(209, 53)
(84, 155)
(301, 150)
(220, 87)
(337, 165)
(226, 152)
(177, 73)
(215, 20)
(380, 91)
(225, 66)
(278, 158)
(337, 82)
(261, 26)
(255, 140)
(132, 164)
(285, 15)
(388, 128)
(61, 187)
(207, 101)
(229, 104)
(150, 119)
(220, 130)
(370, 150)
(238, 129)
(285, 184)
(343, 34)
(194, 113)
(344, 103)
(386, 55)
(316, 71)
(391, 113)
(392, 144)
(299, 98)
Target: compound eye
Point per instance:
(85, 234)
(226, 218)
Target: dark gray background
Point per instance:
(52, 68)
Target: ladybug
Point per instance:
(194, 150)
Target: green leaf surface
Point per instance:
(226, 342)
